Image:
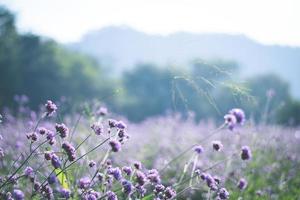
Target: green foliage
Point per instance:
(42, 69)
(289, 114)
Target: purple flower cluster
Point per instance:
(111, 196)
(198, 149)
(50, 108)
(223, 194)
(127, 170)
(70, 150)
(97, 128)
(50, 137)
(170, 193)
(217, 145)
(153, 176)
(234, 118)
(62, 129)
(140, 178)
(56, 163)
(246, 153)
(84, 183)
(115, 172)
(242, 184)
(32, 136)
(115, 145)
(127, 187)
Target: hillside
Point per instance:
(122, 47)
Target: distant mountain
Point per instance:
(122, 47)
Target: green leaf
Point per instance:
(62, 178)
(149, 197)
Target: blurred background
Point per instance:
(149, 58)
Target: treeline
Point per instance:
(43, 69)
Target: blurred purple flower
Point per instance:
(127, 170)
(55, 161)
(170, 193)
(223, 193)
(217, 145)
(18, 194)
(70, 150)
(121, 125)
(111, 195)
(97, 128)
(246, 153)
(127, 187)
(62, 129)
(28, 171)
(239, 115)
(198, 149)
(65, 193)
(84, 183)
(50, 108)
(140, 178)
(242, 184)
(115, 145)
(115, 172)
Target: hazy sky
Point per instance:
(268, 21)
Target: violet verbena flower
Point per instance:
(230, 121)
(242, 184)
(32, 136)
(140, 190)
(112, 123)
(137, 165)
(210, 181)
(217, 145)
(246, 153)
(92, 163)
(42, 130)
(70, 150)
(115, 172)
(127, 170)
(55, 161)
(28, 171)
(239, 115)
(159, 188)
(127, 187)
(48, 192)
(50, 108)
(84, 183)
(203, 176)
(115, 145)
(111, 195)
(48, 155)
(170, 193)
(65, 193)
(97, 128)
(62, 129)
(50, 137)
(121, 125)
(223, 193)
(52, 179)
(198, 149)
(18, 194)
(217, 179)
(140, 178)
(36, 186)
(153, 176)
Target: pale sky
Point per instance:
(268, 21)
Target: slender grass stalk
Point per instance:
(192, 146)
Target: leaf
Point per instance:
(148, 197)
(62, 178)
